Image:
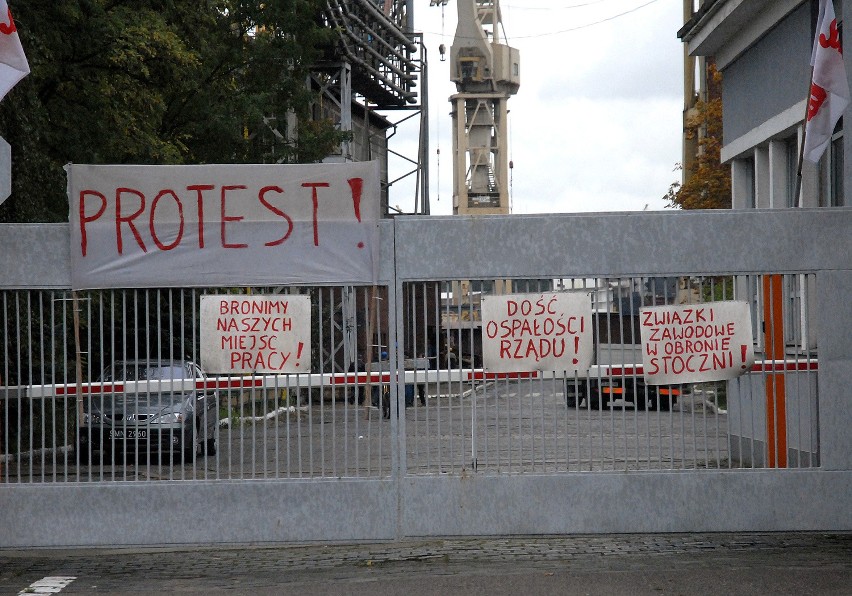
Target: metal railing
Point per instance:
(446, 415)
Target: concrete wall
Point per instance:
(747, 420)
(770, 77)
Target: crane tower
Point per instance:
(486, 73)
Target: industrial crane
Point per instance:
(486, 73)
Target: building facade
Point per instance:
(763, 51)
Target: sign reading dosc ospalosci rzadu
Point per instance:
(548, 331)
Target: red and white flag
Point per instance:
(13, 62)
(829, 86)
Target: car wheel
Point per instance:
(574, 392)
(596, 402)
(84, 454)
(188, 455)
(168, 458)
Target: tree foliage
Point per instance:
(157, 82)
(708, 185)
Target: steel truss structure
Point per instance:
(380, 64)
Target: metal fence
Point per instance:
(458, 418)
(57, 344)
(459, 448)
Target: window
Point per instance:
(835, 189)
(470, 69)
(748, 183)
(792, 151)
(792, 310)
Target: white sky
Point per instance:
(596, 124)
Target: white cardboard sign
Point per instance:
(549, 331)
(255, 334)
(696, 343)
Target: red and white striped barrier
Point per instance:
(301, 381)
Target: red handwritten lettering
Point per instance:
(119, 218)
(199, 189)
(357, 186)
(686, 340)
(157, 220)
(153, 230)
(226, 218)
(84, 219)
(314, 186)
(262, 197)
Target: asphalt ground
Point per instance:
(688, 564)
(519, 427)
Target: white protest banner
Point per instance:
(255, 334)
(5, 170)
(696, 343)
(209, 225)
(550, 331)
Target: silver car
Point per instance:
(174, 418)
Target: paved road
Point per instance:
(501, 427)
(689, 564)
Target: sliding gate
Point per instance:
(399, 431)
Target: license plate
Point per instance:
(130, 433)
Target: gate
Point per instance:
(459, 450)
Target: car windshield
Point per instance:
(133, 402)
(145, 372)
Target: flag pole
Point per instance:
(798, 191)
(368, 365)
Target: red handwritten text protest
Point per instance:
(159, 220)
(223, 225)
(696, 343)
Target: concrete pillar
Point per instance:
(780, 175)
(761, 177)
(742, 184)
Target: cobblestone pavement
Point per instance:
(693, 564)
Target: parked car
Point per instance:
(170, 421)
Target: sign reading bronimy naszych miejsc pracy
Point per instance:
(256, 334)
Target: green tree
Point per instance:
(157, 82)
(708, 185)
